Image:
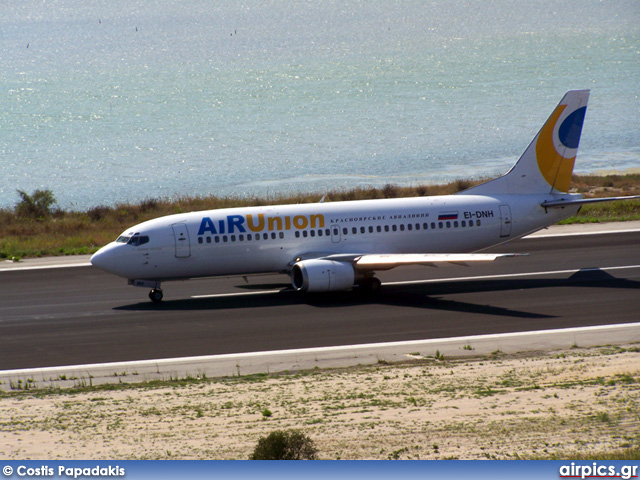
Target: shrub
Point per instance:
(37, 205)
(285, 445)
(98, 213)
(390, 191)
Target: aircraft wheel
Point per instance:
(155, 295)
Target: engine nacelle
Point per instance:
(322, 276)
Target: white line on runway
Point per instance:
(317, 350)
(510, 275)
(440, 280)
(239, 294)
(43, 267)
(537, 234)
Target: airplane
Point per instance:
(338, 246)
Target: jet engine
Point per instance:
(322, 276)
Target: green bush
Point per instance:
(285, 445)
(38, 205)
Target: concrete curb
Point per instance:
(310, 358)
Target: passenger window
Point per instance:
(394, 228)
(319, 233)
(304, 233)
(241, 238)
(273, 235)
(233, 238)
(362, 230)
(312, 233)
(225, 239)
(402, 228)
(386, 228)
(281, 234)
(327, 232)
(248, 236)
(199, 239)
(477, 223)
(455, 224)
(448, 224)
(425, 226)
(379, 229)
(433, 225)
(344, 231)
(217, 239)
(208, 239)
(409, 227)
(354, 230)
(417, 226)
(265, 236)
(464, 223)
(370, 229)
(297, 233)
(440, 225)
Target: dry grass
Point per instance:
(580, 403)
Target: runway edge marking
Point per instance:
(175, 362)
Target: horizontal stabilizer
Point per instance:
(583, 201)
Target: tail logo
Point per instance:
(557, 144)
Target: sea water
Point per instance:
(122, 100)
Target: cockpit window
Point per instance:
(138, 240)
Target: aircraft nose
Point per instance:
(105, 259)
(99, 259)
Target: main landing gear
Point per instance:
(370, 286)
(156, 295)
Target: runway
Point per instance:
(80, 315)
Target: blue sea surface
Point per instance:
(122, 100)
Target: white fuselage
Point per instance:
(337, 246)
(271, 239)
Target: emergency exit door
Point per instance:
(505, 217)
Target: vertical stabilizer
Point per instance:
(547, 164)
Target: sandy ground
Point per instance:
(579, 400)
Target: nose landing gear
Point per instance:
(156, 292)
(156, 295)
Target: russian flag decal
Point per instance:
(448, 216)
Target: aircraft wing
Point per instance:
(389, 261)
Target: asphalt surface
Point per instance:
(80, 315)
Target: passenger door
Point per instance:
(181, 235)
